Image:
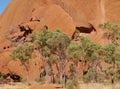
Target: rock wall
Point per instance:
(62, 14)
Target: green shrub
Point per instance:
(1, 79)
(93, 76)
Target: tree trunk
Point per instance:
(27, 69)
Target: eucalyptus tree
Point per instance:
(53, 43)
(91, 51)
(57, 44)
(85, 51)
(74, 51)
(24, 54)
(112, 33)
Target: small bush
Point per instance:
(23, 80)
(93, 76)
(40, 80)
(37, 79)
(72, 84)
(1, 79)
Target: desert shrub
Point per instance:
(93, 76)
(37, 79)
(23, 80)
(48, 70)
(56, 79)
(40, 80)
(1, 79)
(14, 44)
(45, 52)
(109, 71)
(72, 84)
(118, 76)
(9, 39)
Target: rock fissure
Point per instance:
(102, 10)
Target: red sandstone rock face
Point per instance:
(62, 14)
(112, 11)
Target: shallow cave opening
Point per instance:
(32, 19)
(22, 28)
(14, 77)
(83, 29)
(4, 47)
(89, 29)
(26, 31)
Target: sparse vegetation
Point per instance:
(23, 53)
(57, 48)
(1, 79)
(72, 84)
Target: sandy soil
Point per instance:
(46, 86)
(14, 86)
(99, 86)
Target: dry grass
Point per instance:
(81, 86)
(14, 86)
(99, 86)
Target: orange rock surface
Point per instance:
(56, 14)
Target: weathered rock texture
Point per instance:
(61, 14)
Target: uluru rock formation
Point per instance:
(56, 14)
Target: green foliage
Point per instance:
(77, 31)
(57, 46)
(41, 38)
(112, 54)
(52, 59)
(33, 35)
(113, 31)
(109, 71)
(74, 51)
(91, 51)
(14, 44)
(1, 79)
(52, 41)
(118, 75)
(23, 53)
(9, 39)
(52, 45)
(60, 41)
(110, 50)
(93, 76)
(117, 59)
(45, 51)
